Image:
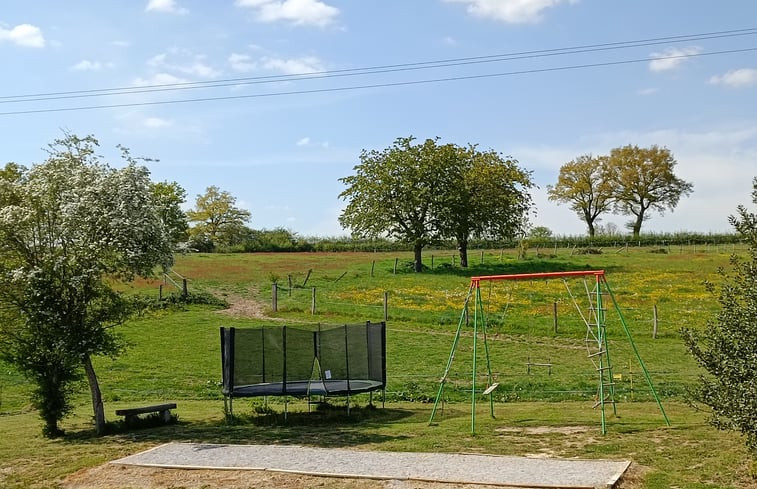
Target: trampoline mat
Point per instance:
(333, 387)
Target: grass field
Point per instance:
(174, 355)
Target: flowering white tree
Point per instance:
(69, 227)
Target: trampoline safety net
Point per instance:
(282, 360)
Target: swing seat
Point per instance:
(491, 388)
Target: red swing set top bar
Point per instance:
(476, 281)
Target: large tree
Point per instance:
(392, 194)
(168, 197)
(216, 214)
(643, 179)
(481, 195)
(727, 348)
(71, 227)
(584, 184)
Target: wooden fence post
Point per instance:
(386, 306)
(482, 257)
(373, 265)
(432, 262)
(554, 310)
(654, 322)
(160, 292)
(395, 265)
(312, 303)
(289, 279)
(184, 290)
(307, 277)
(275, 297)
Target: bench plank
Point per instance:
(146, 409)
(130, 415)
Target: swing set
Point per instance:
(596, 339)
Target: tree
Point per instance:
(584, 184)
(69, 228)
(481, 194)
(727, 348)
(392, 192)
(540, 232)
(168, 197)
(214, 213)
(643, 179)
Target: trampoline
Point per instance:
(285, 361)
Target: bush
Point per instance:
(727, 348)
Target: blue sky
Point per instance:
(281, 155)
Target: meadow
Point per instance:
(173, 355)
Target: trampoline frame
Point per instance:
(323, 386)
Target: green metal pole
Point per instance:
(605, 345)
(488, 362)
(636, 352)
(475, 354)
(601, 341)
(451, 355)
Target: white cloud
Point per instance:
(157, 123)
(450, 41)
(304, 141)
(165, 6)
(672, 58)
(648, 91)
(297, 12)
(87, 65)
(191, 64)
(241, 62)
(743, 77)
(510, 11)
(26, 35)
(158, 79)
(294, 66)
(120, 44)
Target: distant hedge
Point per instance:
(284, 241)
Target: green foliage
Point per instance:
(630, 181)
(218, 220)
(643, 179)
(68, 226)
(168, 197)
(584, 183)
(425, 193)
(727, 348)
(392, 193)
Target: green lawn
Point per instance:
(174, 355)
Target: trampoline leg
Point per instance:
(348, 403)
(370, 399)
(286, 406)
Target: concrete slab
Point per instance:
(432, 467)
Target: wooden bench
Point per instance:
(131, 415)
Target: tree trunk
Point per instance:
(637, 224)
(97, 398)
(417, 249)
(462, 246)
(591, 228)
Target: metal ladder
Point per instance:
(598, 353)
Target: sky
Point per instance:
(215, 91)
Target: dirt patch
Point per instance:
(112, 476)
(245, 306)
(543, 430)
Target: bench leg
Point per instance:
(166, 415)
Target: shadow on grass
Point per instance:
(529, 265)
(328, 427)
